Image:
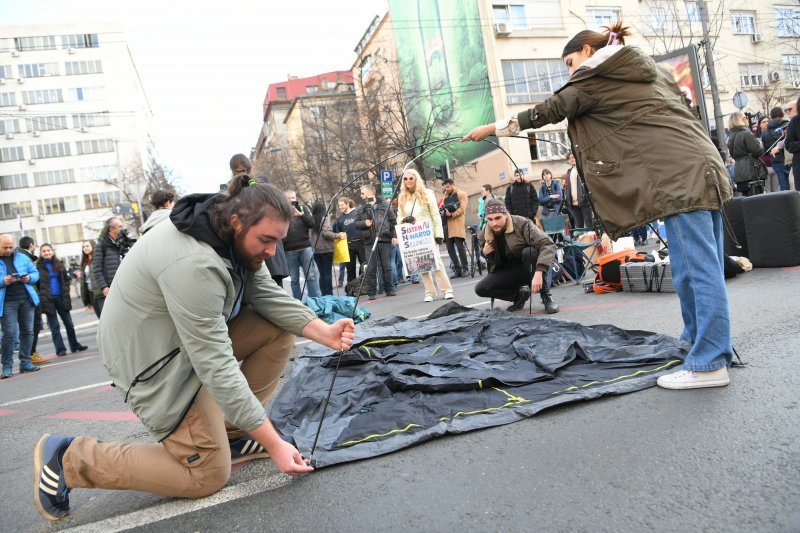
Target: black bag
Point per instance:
(352, 286)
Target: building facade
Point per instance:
(73, 117)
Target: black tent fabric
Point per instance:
(406, 381)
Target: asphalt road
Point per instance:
(714, 460)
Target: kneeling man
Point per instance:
(195, 335)
(514, 248)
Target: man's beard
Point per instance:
(250, 262)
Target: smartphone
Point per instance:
(15, 275)
(296, 205)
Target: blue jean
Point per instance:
(379, 260)
(396, 258)
(17, 319)
(304, 259)
(325, 267)
(55, 328)
(782, 171)
(696, 259)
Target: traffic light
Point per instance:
(440, 172)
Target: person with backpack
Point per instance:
(644, 155)
(521, 198)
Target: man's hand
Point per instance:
(343, 235)
(774, 151)
(394, 241)
(339, 335)
(536, 284)
(488, 248)
(105, 291)
(288, 459)
(8, 280)
(439, 240)
(447, 213)
(296, 212)
(479, 133)
(25, 279)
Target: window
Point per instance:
(7, 99)
(743, 22)
(791, 68)
(72, 68)
(65, 234)
(63, 204)
(44, 151)
(99, 173)
(53, 177)
(366, 66)
(752, 74)
(17, 235)
(89, 120)
(11, 153)
(527, 15)
(81, 40)
(58, 122)
(692, 12)
(100, 200)
(43, 42)
(533, 80)
(312, 88)
(13, 181)
(94, 146)
(9, 211)
(85, 94)
(6, 72)
(44, 96)
(38, 70)
(550, 144)
(9, 126)
(787, 19)
(658, 18)
(602, 16)
(281, 93)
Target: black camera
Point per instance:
(473, 229)
(296, 205)
(368, 211)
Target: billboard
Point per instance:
(445, 78)
(684, 67)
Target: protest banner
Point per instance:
(418, 248)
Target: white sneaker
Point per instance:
(687, 379)
(429, 298)
(448, 295)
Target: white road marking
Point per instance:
(173, 508)
(58, 393)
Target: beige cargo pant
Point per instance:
(195, 460)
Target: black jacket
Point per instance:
(46, 303)
(383, 222)
(522, 200)
(107, 256)
(771, 136)
(297, 236)
(741, 144)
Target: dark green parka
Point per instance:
(642, 152)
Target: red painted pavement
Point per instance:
(114, 416)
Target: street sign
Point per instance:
(740, 99)
(122, 209)
(386, 189)
(386, 175)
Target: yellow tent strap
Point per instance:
(376, 436)
(637, 373)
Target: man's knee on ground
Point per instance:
(210, 481)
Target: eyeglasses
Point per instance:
(409, 179)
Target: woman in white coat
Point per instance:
(417, 203)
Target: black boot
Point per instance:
(550, 305)
(456, 273)
(523, 293)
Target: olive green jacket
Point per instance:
(163, 332)
(642, 153)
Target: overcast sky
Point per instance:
(206, 65)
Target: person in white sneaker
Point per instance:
(416, 204)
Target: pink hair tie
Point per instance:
(612, 38)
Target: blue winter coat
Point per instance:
(24, 267)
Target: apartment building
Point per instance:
(73, 117)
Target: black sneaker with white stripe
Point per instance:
(245, 449)
(50, 491)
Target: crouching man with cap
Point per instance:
(519, 255)
(195, 335)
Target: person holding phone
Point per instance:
(18, 299)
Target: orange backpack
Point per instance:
(609, 278)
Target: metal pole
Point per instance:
(712, 80)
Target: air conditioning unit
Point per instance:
(84, 129)
(20, 80)
(21, 107)
(14, 53)
(35, 133)
(2, 81)
(775, 76)
(70, 50)
(9, 135)
(31, 161)
(757, 37)
(40, 218)
(502, 28)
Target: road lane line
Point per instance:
(58, 393)
(173, 508)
